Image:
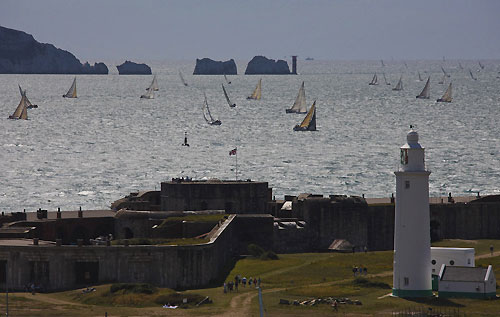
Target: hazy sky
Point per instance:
(220, 29)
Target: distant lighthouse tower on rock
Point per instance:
(412, 245)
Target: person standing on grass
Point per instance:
(491, 249)
(244, 281)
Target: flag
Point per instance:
(232, 152)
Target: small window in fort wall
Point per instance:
(407, 184)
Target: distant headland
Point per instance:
(131, 68)
(260, 65)
(207, 66)
(20, 53)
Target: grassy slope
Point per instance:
(293, 276)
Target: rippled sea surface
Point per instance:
(107, 143)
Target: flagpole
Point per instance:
(236, 163)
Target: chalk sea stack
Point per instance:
(20, 53)
(206, 66)
(131, 68)
(260, 65)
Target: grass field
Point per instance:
(292, 277)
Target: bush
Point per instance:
(255, 250)
(139, 288)
(269, 255)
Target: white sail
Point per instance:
(149, 93)
(399, 86)
(447, 95)
(154, 84)
(385, 80)
(374, 80)
(299, 105)
(72, 90)
(182, 79)
(29, 105)
(425, 94)
(227, 97)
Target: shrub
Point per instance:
(269, 255)
(139, 288)
(255, 250)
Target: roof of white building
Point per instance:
(463, 274)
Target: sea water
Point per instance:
(108, 143)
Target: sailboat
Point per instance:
(232, 105)
(447, 95)
(480, 65)
(149, 93)
(299, 105)
(29, 105)
(21, 111)
(471, 75)
(382, 61)
(182, 79)
(210, 120)
(444, 72)
(72, 90)
(154, 84)
(385, 79)
(399, 86)
(227, 80)
(426, 91)
(257, 92)
(460, 65)
(441, 82)
(420, 77)
(374, 80)
(309, 122)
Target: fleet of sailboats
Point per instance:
(374, 80)
(232, 105)
(257, 91)
(299, 106)
(72, 90)
(399, 86)
(309, 122)
(425, 94)
(447, 95)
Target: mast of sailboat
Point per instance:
(227, 97)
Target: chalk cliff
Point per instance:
(20, 53)
(206, 66)
(260, 65)
(131, 68)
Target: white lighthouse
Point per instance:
(412, 241)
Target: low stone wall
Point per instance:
(66, 267)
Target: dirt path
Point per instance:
(46, 299)
(488, 255)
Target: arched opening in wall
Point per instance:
(129, 234)
(228, 206)
(79, 233)
(435, 231)
(204, 205)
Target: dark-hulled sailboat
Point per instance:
(210, 120)
(309, 122)
(374, 81)
(232, 105)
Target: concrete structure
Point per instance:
(412, 245)
(469, 282)
(451, 257)
(240, 197)
(294, 64)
